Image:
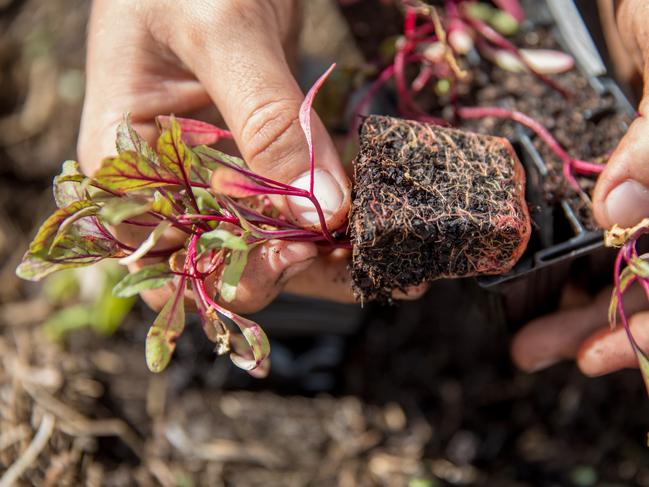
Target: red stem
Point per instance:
(536, 127)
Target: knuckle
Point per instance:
(271, 135)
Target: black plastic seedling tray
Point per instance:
(559, 241)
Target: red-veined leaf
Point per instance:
(130, 171)
(173, 153)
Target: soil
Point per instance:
(432, 202)
(422, 393)
(588, 124)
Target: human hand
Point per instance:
(157, 57)
(621, 197)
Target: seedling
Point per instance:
(213, 198)
(630, 268)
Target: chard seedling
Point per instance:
(630, 268)
(220, 205)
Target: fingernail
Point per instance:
(326, 189)
(542, 365)
(627, 203)
(294, 269)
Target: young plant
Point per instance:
(220, 205)
(630, 268)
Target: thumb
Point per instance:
(622, 192)
(251, 84)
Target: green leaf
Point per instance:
(162, 205)
(175, 156)
(211, 158)
(504, 23)
(148, 244)
(63, 234)
(149, 277)
(116, 210)
(129, 140)
(34, 269)
(639, 266)
(41, 246)
(131, 171)
(167, 327)
(68, 185)
(205, 200)
(221, 239)
(67, 239)
(234, 267)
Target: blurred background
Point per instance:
(417, 395)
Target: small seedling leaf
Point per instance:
(232, 271)
(305, 119)
(162, 205)
(547, 61)
(205, 200)
(212, 158)
(148, 244)
(131, 171)
(221, 239)
(116, 210)
(229, 182)
(34, 269)
(253, 354)
(68, 186)
(42, 243)
(167, 327)
(149, 277)
(129, 140)
(174, 154)
(639, 266)
(195, 132)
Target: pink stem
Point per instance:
(536, 127)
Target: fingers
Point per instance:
(609, 350)
(127, 70)
(552, 338)
(247, 75)
(622, 192)
(559, 336)
(329, 278)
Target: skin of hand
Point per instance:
(621, 197)
(154, 57)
